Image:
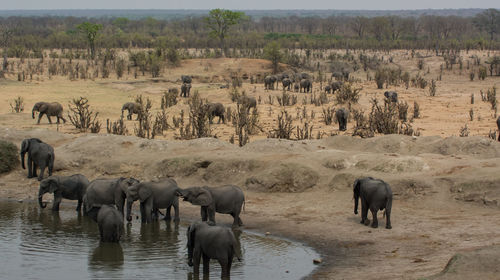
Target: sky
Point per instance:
(248, 4)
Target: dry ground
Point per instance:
(447, 194)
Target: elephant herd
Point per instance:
(301, 82)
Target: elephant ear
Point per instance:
(25, 145)
(144, 193)
(202, 197)
(53, 184)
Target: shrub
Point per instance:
(116, 127)
(402, 110)
(18, 106)
(283, 128)
(199, 125)
(482, 73)
(432, 88)
(9, 156)
(168, 99)
(173, 57)
(82, 117)
(348, 94)
(328, 115)
(120, 66)
(464, 131)
(383, 119)
(144, 128)
(416, 110)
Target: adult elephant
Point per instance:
(328, 89)
(248, 101)
(132, 108)
(296, 87)
(40, 155)
(185, 89)
(287, 84)
(215, 110)
(375, 195)
(69, 187)
(54, 109)
(109, 221)
(342, 115)
(211, 242)
(305, 85)
(269, 81)
(107, 191)
(392, 96)
(154, 196)
(225, 200)
(186, 79)
(336, 86)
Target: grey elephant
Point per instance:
(342, 115)
(211, 242)
(53, 109)
(40, 155)
(228, 199)
(498, 125)
(69, 187)
(287, 83)
(107, 191)
(341, 75)
(215, 110)
(132, 108)
(296, 87)
(269, 81)
(336, 86)
(185, 89)
(305, 85)
(154, 196)
(248, 101)
(110, 222)
(375, 195)
(304, 75)
(328, 89)
(186, 79)
(392, 96)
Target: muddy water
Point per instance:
(39, 244)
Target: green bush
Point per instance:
(9, 156)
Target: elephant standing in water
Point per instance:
(225, 200)
(110, 222)
(211, 242)
(69, 187)
(375, 195)
(39, 155)
(154, 196)
(342, 115)
(48, 109)
(107, 191)
(132, 108)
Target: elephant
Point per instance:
(296, 87)
(375, 195)
(107, 191)
(392, 96)
(39, 155)
(269, 82)
(185, 89)
(336, 86)
(341, 75)
(305, 85)
(498, 125)
(49, 109)
(69, 187)
(342, 115)
(110, 222)
(211, 242)
(153, 196)
(328, 89)
(173, 90)
(225, 200)
(133, 108)
(304, 75)
(215, 110)
(248, 102)
(287, 83)
(186, 79)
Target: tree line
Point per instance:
(292, 32)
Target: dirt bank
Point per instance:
(446, 191)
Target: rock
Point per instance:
(317, 261)
(268, 233)
(20, 201)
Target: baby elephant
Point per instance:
(342, 115)
(110, 222)
(211, 242)
(69, 187)
(225, 200)
(392, 96)
(375, 195)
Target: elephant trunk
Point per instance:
(129, 209)
(40, 197)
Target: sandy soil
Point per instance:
(446, 191)
(447, 194)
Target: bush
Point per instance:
(18, 106)
(482, 73)
(168, 99)
(9, 156)
(173, 57)
(120, 67)
(348, 94)
(82, 117)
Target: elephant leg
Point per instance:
(143, 213)
(57, 201)
(211, 216)
(375, 220)
(364, 213)
(48, 117)
(42, 170)
(225, 267)
(50, 167)
(388, 219)
(206, 264)
(39, 117)
(203, 212)
(176, 215)
(196, 261)
(168, 215)
(148, 207)
(79, 206)
(30, 167)
(35, 167)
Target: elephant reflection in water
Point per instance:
(106, 255)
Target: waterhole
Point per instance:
(41, 244)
